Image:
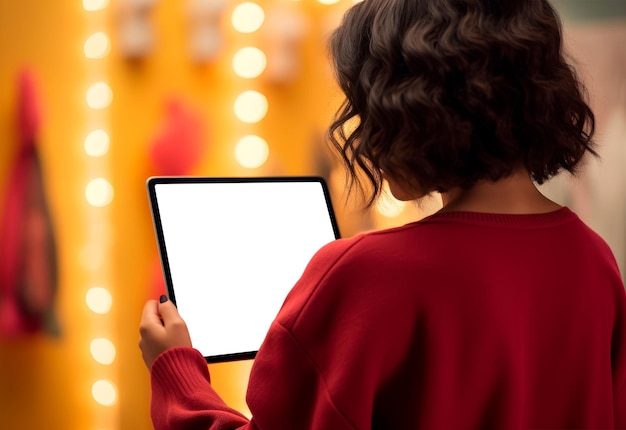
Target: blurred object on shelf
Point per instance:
(282, 36)
(135, 28)
(205, 35)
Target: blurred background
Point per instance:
(98, 95)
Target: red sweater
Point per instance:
(459, 321)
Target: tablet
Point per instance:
(231, 250)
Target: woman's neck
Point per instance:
(516, 194)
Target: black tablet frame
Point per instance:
(153, 181)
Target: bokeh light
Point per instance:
(97, 143)
(99, 95)
(248, 17)
(99, 192)
(251, 151)
(102, 350)
(93, 5)
(99, 300)
(104, 392)
(251, 106)
(249, 62)
(97, 46)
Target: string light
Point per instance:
(249, 62)
(251, 106)
(99, 300)
(104, 392)
(251, 151)
(99, 192)
(248, 17)
(102, 350)
(97, 143)
(97, 46)
(94, 5)
(99, 96)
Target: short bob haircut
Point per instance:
(441, 94)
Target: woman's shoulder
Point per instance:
(344, 264)
(347, 265)
(370, 243)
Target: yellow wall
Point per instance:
(45, 382)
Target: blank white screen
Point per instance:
(235, 250)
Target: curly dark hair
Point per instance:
(441, 94)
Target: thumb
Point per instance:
(167, 310)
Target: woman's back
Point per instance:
(463, 320)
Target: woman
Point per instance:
(501, 311)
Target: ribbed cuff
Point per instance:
(181, 370)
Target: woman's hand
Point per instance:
(161, 328)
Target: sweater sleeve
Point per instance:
(182, 396)
(286, 392)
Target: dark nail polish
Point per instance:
(163, 298)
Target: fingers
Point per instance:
(168, 312)
(161, 328)
(174, 324)
(149, 308)
(151, 332)
(150, 314)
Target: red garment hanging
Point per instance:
(28, 260)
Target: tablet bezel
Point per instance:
(151, 184)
